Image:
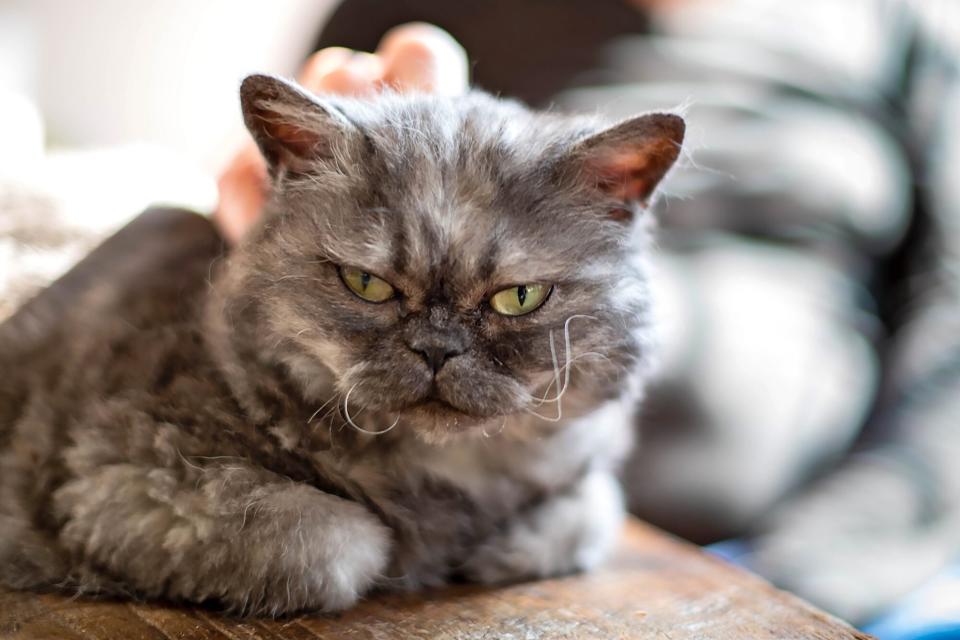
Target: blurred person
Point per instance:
(810, 394)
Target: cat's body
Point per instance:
(249, 431)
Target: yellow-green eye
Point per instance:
(516, 301)
(366, 285)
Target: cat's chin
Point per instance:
(436, 421)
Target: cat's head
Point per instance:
(449, 262)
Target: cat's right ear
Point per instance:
(292, 128)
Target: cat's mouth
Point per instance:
(434, 403)
(463, 395)
(437, 410)
(446, 403)
(437, 405)
(436, 414)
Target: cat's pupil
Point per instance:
(364, 280)
(521, 294)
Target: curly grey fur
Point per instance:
(181, 430)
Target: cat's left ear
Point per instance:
(627, 161)
(291, 126)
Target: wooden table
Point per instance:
(655, 587)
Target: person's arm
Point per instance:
(889, 518)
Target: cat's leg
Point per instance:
(569, 532)
(246, 537)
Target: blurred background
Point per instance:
(108, 106)
(806, 420)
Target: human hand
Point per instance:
(411, 57)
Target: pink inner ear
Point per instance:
(295, 140)
(623, 175)
(631, 174)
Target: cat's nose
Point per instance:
(436, 336)
(436, 355)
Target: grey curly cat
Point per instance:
(418, 367)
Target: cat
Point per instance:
(420, 366)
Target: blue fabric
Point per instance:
(932, 612)
(730, 550)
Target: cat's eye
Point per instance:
(366, 285)
(520, 300)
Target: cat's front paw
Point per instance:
(243, 538)
(358, 560)
(329, 563)
(572, 532)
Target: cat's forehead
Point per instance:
(456, 193)
(448, 239)
(465, 197)
(403, 128)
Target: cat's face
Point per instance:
(447, 263)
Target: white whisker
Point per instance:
(497, 432)
(320, 408)
(346, 414)
(566, 369)
(586, 354)
(556, 418)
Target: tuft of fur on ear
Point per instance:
(627, 161)
(292, 127)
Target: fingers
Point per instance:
(320, 64)
(422, 57)
(343, 72)
(411, 57)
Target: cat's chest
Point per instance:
(506, 471)
(446, 501)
